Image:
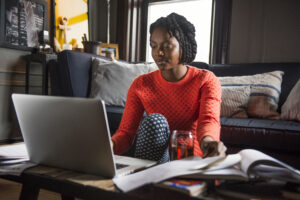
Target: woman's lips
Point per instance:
(161, 62)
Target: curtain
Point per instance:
(97, 12)
(132, 29)
(221, 31)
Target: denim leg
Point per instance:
(152, 140)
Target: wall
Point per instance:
(76, 12)
(265, 31)
(12, 80)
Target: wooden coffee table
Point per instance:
(72, 184)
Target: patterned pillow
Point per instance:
(265, 90)
(235, 101)
(111, 79)
(290, 110)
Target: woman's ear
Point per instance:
(180, 55)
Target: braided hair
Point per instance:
(184, 31)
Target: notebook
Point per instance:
(71, 133)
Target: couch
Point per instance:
(70, 75)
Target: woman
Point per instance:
(175, 97)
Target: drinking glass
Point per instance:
(182, 144)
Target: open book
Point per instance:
(245, 165)
(248, 164)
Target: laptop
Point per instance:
(71, 133)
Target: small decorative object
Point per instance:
(63, 26)
(44, 46)
(90, 46)
(74, 44)
(57, 47)
(109, 50)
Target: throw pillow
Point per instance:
(290, 110)
(265, 90)
(111, 79)
(234, 101)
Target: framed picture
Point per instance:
(109, 50)
(22, 22)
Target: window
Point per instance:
(198, 12)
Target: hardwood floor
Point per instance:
(10, 190)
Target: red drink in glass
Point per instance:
(182, 144)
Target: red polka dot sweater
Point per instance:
(193, 103)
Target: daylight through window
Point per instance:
(198, 12)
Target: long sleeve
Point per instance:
(124, 136)
(209, 109)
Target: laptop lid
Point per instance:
(66, 132)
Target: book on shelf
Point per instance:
(190, 187)
(248, 164)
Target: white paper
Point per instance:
(13, 151)
(14, 159)
(162, 172)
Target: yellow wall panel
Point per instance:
(76, 12)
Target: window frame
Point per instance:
(220, 30)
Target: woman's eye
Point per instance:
(167, 46)
(153, 46)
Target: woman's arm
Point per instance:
(133, 112)
(208, 128)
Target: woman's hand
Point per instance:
(212, 148)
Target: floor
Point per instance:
(10, 190)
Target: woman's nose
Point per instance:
(160, 52)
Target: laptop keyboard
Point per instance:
(120, 166)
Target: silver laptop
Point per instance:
(71, 133)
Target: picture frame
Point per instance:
(19, 30)
(106, 48)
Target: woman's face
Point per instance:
(165, 49)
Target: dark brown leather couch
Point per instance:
(279, 138)
(70, 76)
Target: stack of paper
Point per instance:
(14, 159)
(11, 154)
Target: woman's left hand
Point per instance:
(212, 148)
